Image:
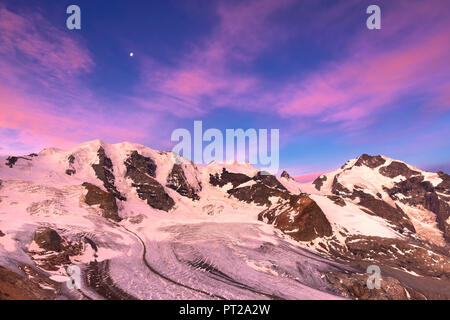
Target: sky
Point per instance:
(310, 68)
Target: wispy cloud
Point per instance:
(308, 177)
(350, 91)
(377, 75)
(43, 99)
(208, 77)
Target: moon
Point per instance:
(131, 54)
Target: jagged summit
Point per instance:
(286, 175)
(395, 191)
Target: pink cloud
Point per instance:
(308, 177)
(43, 48)
(374, 76)
(350, 91)
(247, 27)
(243, 31)
(357, 88)
(38, 127)
(44, 102)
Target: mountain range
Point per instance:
(146, 224)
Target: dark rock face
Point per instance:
(1, 234)
(107, 201)
(71, 169)
(419, 193)
(318, 183)
(337, 200)
(268, 180)
(354, 285)
(265, 186)
(300, 217)
(48, 239)
(228, 177)
(399, 254)
(397, 169)
(141, 171)
(104, 171)
(338, 188)
(57, 252)
(14, 286)
(177, 181)
(11, 161)
(70, 172)
(370, 161)
(258, 193)
(382, 209)
(143, 164)
(410, 268)
(444, 186)
(286, 175)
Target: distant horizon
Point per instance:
(299, 177)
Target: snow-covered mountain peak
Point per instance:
(403, 194)
(373, 173)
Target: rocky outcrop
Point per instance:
(11, 161)
(401, 254)
(141, 171)
(261, 187)
(106, 201)
(1, 234)
(370, 161)
(444, 186)
(14, 286)
(71, 159)
(48, 239)
(71, 169)
(337, 200)
(258, 193)
(395, 169)
(318, 183)
(286, 175)
(70, 172)
(140, 163)
(177, 181)
(55, 250)
(354, 285)
(228, 177)
(268, 180)
(299, 217)
(104, 171)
